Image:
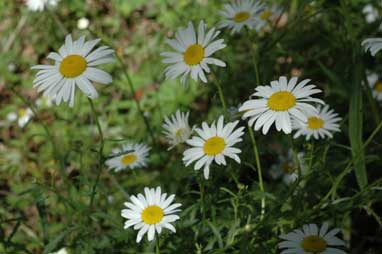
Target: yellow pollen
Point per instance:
(194, 54)
(378, 87)
(214, 146)
(152, 214)
(313, 244)
(72, 66)
(241, 16)
(179, 132)
(265, 15)
(22, 112)
(315, 123)
(281, 101)
(128, 159)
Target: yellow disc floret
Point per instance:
(128, 159)
(241, 16)
(194, 54)
(73, 66)
(152, 214)
(281, 101)
(315, 123)
(214, 146)
(313, 244)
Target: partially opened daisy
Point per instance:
(376, 85)
(374, 45)
(74, 67)
(150, 212)
(319, 125)
(39, 5)
(312, 240)
(177, 128)
(279, 103)
(213, 144)
(129, 156)
(193, 54)
(242, 13)
(23, 116)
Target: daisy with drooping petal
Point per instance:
(286, 167)
(374, 45)
(213, 144)
(376, 85)
(312, 240)
(242, 13)
(74, 67)
(279, 103)
(177, 129)
(39, 5)
(194, 51)
(23, 116)
(129, 156)
(150, 213)
(319, 125)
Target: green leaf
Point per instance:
(55, 241)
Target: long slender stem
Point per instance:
(221, 94)
(311, 155)
(100, 153)
(259, 171)
(295, 156)
(202, 205)
(157, 244)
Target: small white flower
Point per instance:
(177, 128)
(39, 5)
(287, 169)
(371, 13)
(74, 67)
(61, 251)
(130, 156)
(44, 102)
(213, 144)
(280, 103)
(320, 125)
(242, 13)
(150, 213)
(83, 23)
(23, 116)
(376, 85)
(374, 45)
(194, 51)
(310, 239)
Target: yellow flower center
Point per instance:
(315, 123)
(128, 159)
(179, 132)
(22, 112)
(378, 87)
(313, 244)
(288, 168)
(281, 101)
(152, 214)
(72, 66)
(214, 145)
(194, 54)
(265, 15)
(241, 16)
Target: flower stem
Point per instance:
(157, 244)
(259, 172)
(221, 94)
(295, 156)
(100, 153)
(202, 206)
(311, 155)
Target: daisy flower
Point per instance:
(194, 51)
(374, 45)
(39, 5)
(23, 116)
(371, 13)
(376, 85)
(74, 67)
(83, 23)
(286, 167)
(177, 129)
(129, 156)
(242, 13)
(319, 125)
(311, 239)
(279, 103)
(150, 213)
(213, 144)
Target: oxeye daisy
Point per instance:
(129, 156)
(374, 45)
(242, 13)
(286, 167)
(39, 5)
(177, 129)
(74, 67)
(23, 116)
(319, 125)
(150, 213)
(194, 51)
(312, 240)
(376, 85)
(279, 103)
(213, 144)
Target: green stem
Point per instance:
(311, 155)
(295, 156)
(202, 206)
(259, 171)
(157, 244)
(221, 95)
(100, 153)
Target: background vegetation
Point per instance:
(44, 194)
